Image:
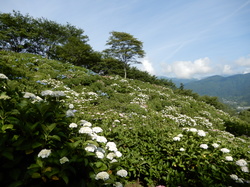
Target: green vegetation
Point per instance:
(125, 48)
(61, 124)
(160, 137)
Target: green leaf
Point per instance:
(75, 144)
(39, 162)
(214, 168)
(32, 166)
(55, 137)
(8, 155)
(36, 175)
(98, 164)
(5, 127)
(16, 184)
(65, 178)
(36, 144)
(49, 128)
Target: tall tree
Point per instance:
(125, 48)
(15, 31)
(75, 51)
(21, 33)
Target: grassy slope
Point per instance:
(142, 118)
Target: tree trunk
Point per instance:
(125, 72)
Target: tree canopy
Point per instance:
(125, 48)
(23, 33)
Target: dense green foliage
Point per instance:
(165, 137)
(23, 33)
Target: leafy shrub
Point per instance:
(42, 144)
(165, 138)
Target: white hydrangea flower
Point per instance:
(111, 146)
(240, 180)
(118, 154)
(38, 99)
(118, 184)
(245, 169)
(90, 148)
(99, 154)
(85, 130)
(234, 177)
(58, 94)
(97, 129)
(185, 129)
(229, 158)
(29, 95)
(113, 161)
(204, 146)
(86, 124)
(176, 138)
(111, 156)
(193, 130)
(241, 162)
(122, 173)
(72, 125)
(2, 76)
(82, 122)
(64, 160)
(201, 133)
(101, 139)
(47, 93)
(44, 153)
(94, 136)
(215, 145)
(102, 175)
(225, 150)
(182, 149)
(71, 106)
(69, 113)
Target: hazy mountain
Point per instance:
(177, 81)
(234, 88)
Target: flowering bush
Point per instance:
(40, 144)
(80, 129)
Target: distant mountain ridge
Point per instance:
(235, 88)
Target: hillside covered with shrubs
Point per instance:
(72, 116)
(62, 125)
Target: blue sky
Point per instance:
(181, 38)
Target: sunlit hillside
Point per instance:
(62, 125)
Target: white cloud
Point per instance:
(147, 66)
(227, 69)
(189, 69)
(246, 71)
(243, 61)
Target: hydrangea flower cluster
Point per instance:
(32, 96)
(204, 146)
(44, 153)
(225, 150)
(64, 160)
(109, 151)
(53, 93)
(243, 164)
(2, 76)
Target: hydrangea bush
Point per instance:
(40, 145)
(61, 125)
